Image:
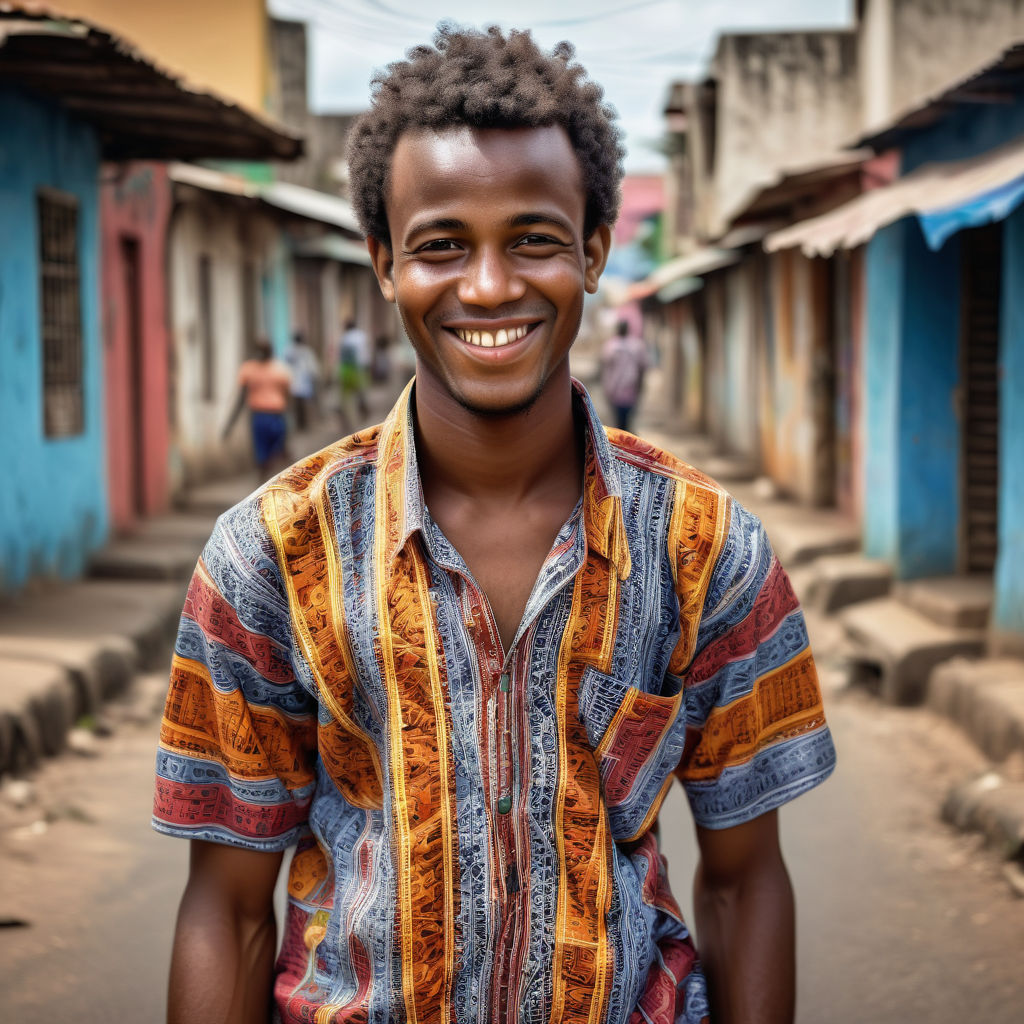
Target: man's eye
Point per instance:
(438, 245)
(536, 239)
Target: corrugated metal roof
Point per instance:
(335, 247)
(307, 202)
(926, 190)
(995, 82)
(139, 109)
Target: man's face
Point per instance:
(488, 263)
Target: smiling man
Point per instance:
(459, 658)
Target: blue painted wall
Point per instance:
(883, 320)
(53, 509)
(1008, 612)
(912, 373)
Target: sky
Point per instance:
(633, 48)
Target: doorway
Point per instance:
(982, 256)
(135, 374)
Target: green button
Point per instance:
(504, 804)
(504, 684)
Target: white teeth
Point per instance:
(484, 339)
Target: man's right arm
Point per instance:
(223, 960)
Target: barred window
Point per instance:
(61, 314)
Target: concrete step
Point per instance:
(899, 646)
(37, 711)
(213, 498)
(992, 804)
(960, 602)
(836, 581)
(985, 697)
(145, 558)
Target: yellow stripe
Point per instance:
(399, 815)
(441, 719)
(301, 629)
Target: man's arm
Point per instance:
(224, 943)
(743, 902)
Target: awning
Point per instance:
(139, 110)
(946, 197)
(693, 264)
(307, 202)
(335, 247)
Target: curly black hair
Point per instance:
(484, 80)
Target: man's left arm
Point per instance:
(743, 903)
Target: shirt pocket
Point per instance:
(637, 738)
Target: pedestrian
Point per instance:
(457, 659)
(353, 357)
(264, 386)
(305, 371)
(624, 361)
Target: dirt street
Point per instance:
(900, 919)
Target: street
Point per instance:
(900, 919)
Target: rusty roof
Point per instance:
(997, 82)
(139, 109)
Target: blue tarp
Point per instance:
(938, 225)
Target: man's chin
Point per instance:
(495, 407)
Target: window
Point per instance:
(61, 314)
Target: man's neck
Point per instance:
(497, 459)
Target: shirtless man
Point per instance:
(459, 658)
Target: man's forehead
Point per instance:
(463, 159)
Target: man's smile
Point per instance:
(492, 336)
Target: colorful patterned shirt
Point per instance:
(474, 827)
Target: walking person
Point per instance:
(457, 659)
(624, 361)
(353, 359)
(305, 370)
(264, 387)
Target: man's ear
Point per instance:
(595, 252)
(383, 267)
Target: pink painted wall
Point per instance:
(642, 195)
(135, 208)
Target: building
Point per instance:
(57, 352)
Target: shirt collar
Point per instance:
(400, 491)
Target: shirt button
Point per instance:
(504, 804)
(504, 683)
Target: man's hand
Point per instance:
(223, 959)
(745, 923)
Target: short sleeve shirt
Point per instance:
(474, 829)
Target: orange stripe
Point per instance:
(786, 701)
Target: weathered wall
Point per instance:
(740, 366)
(136, 206)
(1008, 610)
(53, 506)
(222, 46)
(912, 49)
(230, 236)
(783, 98)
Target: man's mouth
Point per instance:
(492, 339)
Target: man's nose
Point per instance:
(489, 279)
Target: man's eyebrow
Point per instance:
(438, 224)
(524, 220)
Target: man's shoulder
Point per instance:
(295, 490)
(648, 457)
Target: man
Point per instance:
(458, 658)
(624, 362)
(264, 385)
(353, 358)
(305, 371)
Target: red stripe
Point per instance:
(775, 601)
(188, 806)
(218, 620)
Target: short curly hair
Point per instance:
(485, 79)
